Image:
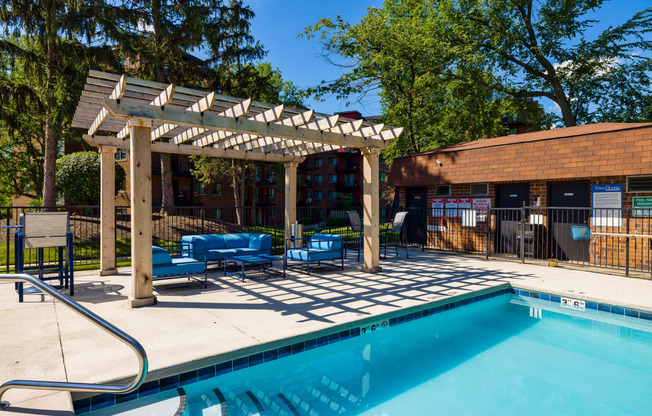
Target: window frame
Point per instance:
(649, 177)
(485, 192)
(437, 187)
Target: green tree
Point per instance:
(46, 48)
(78, 178)
(160, 45)
(448, 70)
(540, 49)
(404, 51)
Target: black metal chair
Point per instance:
(396, 230)
(355, 225)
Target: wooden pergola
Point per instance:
(145, 117)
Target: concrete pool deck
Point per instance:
(191, 324)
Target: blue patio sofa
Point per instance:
(216, 247)
(167, 267)
(319, 248)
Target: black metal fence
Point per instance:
(168, 228)
(619, 239)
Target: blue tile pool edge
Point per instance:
(327, 337)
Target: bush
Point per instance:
(78, 178)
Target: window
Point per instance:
(332, 161)
(319, 178)
(217, 213)
(217, 189)
(479, 189)
(199, 212)
(272, 192)
(641, 183)
(308, 177)
(383, 176)
(442, 190)
(200, 189)
(332, 177)
(332, 194)
(271, 213)
(121, 154)
(381, 159)
(121, 211)
(318, 162)
(317, 194)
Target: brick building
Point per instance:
(569, 167)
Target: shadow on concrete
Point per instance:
(319, 297)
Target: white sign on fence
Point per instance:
(607, 205)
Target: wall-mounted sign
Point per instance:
(642, 206)
(438, 207)
(607, 205)
(464, 203)
(451, 207)
(482, 205)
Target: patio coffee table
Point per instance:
(251, 259)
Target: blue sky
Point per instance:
(278, 22)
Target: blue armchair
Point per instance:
(167, 267)
(319, 248)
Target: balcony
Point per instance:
(347, 185)
(348, 167)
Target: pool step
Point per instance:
(210, 404)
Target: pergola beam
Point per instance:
(236, 111)
(117, 93)
(175, 116)
(186, 149)
(161, 101)
(198, 107)
(255, 142)
(303, 148)
(266, 116)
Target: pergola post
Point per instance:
(107, 211)
(141, 212)
(370, 210)
(290, 197)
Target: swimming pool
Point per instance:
(497, 354)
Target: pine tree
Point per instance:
(160, 45)
(46, 48)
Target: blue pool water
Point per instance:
(500, 356)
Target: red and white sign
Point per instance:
(464, 203)
(438, 207)
(481, 205)
(451, 207)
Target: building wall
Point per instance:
(449, 234)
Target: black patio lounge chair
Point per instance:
(396, 231)
(355, 225)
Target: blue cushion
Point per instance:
(261, 242)
(160, 256)
(301, 254)
(180, 266)
(247, 251)
(325, 241)
(220, 246)
(236, 240)
(204, 242)
(218, 254)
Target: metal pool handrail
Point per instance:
(78, 387)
